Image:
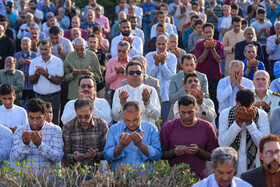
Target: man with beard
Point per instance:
(135, 42)
(188, 139)
(269, 173)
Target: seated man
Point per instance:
(87, 89)
(85, 136)
(135, 90)
(132, 141)
(39, 143)
(224, 163)
(251, 63)
(11, 115)
(188, 139)
(241, 127)
(230, 85)
(269, 173)
(6, 140)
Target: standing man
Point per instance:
(188, 139)
(62, 19)
(7, 47)
(89, 22)
(46, 74)
(75, 23)
(6, 141)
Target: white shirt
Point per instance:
(101, 109)
(46, 29)
(226, 23)
(138, 11)
(162, 72)
(138, 32)
(21, 33)
(226, 95)
(137, 46)
(228, 134)
(272, 49)
(168, 26)
(55, 68)
(150, 113)
(211, 182)
(15, 116)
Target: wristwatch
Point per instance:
(49, 76)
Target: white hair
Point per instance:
(79, 41)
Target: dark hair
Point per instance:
(133, 63)
(198, 22)
(4, 18)
(236, 19)
(164, 5)
(188, 56)
(187, 100)
(160, 12)
(96, 28)
(124, 21)
(86, 77)
(160, 25)
(244, 22)
(261, 11)
(208, 25)
(55, 30)
(36, 105)
(45, 42)
(133, 17)
(92, 36)
(191, 75)
(234, 6)
(195, 3)
(245, 97)
(194, 16)
(158, 1)
(6, 89)
(48, 105)
(33, 1)
(81, 102)
(135, 104)
(9, 4)
(268, 138)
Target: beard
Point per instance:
(126, 33)
(269, 166)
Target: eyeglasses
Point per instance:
(271, 153)
(122, 51)
(82, 49)
(86, 117)
(30, 118)
(138, 72)
(86, 85)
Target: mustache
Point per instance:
(269, 166)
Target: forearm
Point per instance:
(205, 155)
(203, 56)
(144, 149)
(55, 80)
(247, 72)
(103, 48)
(33, 79)
(62, 55)
(118, 150)
(216, 56)
(168, 155)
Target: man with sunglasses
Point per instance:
(135, 90)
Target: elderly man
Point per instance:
(6, 141)
(269, 173)
(135, 42)
(131, 12)
(13, 76)
(87, 89)
(84, 136)
(241, 127)
(224, 164)
(135, 90)
(162, 65)
(230, 85)
(38, 142)
(180, 142)
(7, 47)
(89, 23)
(249, 34)
(75, 23)
(46, 74)
(35, 38)
(23, 59)
(265, 98)
(62, 19)
(251, 63)
(132, 141)
(78, 63)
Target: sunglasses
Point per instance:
(138, 72)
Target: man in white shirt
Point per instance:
(230, 85)
(241, 127)
(136, 31)
(87, 88)
(11, 115)
(224, 164)
(38, 14)
(135, 90)
(46, 74)
(135, 42)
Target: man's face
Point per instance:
(34, 34)
(234, 12)
(80, 50)
(132, 118)
(125, 28)
(193, 82)
(261, 81)
(133, 23)
(236, 26)
(25, 46)
(160, 31)
(193, 21)
(199, 29)
(8, 100)
(92, 2)
(28, 19)
(271, 156)
(9, 64)
(250, 53)
(249, 35)
(55, 38)
(87, 88)
(187, 114)
(84, 115)
(261, 17)
(22, 13)
(36, 120)
(226, 12)
(75, 23)
(163, 9)
(45, 51)
(98, 11)
(75, 34)
(134, 76)
(8, 9)
(61, 11)
(195, 8)
(123, 3)
(49, 116)
(173, 43)
(121, 17)
(122, 53)
(90, 16)
(132, 2)
(208, 33)
(32, 5)
(131, 11)
(224, 174)
(53, 21)
(93, 43)
(161, 45)
(277, 29)
(236, 70)
(161, 18)
(188, 66)
(158, 4)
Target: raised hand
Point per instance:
(86, 72)
(123, 97)
(92, 153)
(36, 138)
(125, 139)
(137, 138)
(76, 71)
(26, 137)
(146, 95)
(77, 156)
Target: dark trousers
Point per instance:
(27, 94)
(212, 85)
(271, 69)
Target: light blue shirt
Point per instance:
(6, 140)
(275, 85)
(131, 154)
(272, 48)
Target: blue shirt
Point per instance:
(148, 8)
(252, 72)
(6, 140)
(131, 154)
(85, 25)
(185, 38)
(272, 15)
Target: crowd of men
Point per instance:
(184, 81)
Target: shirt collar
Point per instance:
(140, 128)
(49, 61)
(13, 72)
(77, 56)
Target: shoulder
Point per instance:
(100, 122)
(252, 174)
(5, 131)
(20, 109)
(52, 127)
(240, 182)
(112, 60)
(19, 72)
(150, 126)
(225, 112)
(170, 124)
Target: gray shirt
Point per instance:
(193, 38)
(274, 121)
(257, 26)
